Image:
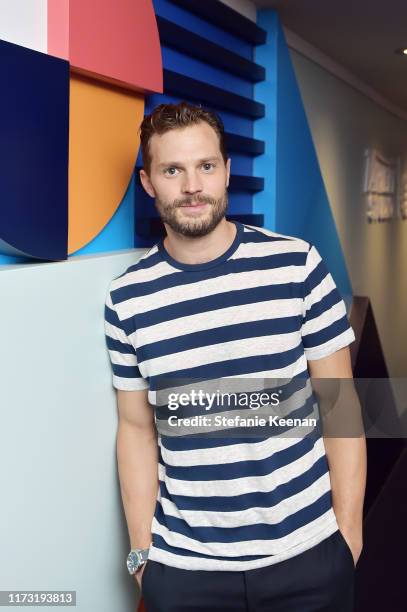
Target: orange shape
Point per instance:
(103, 148)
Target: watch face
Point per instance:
(133, 562)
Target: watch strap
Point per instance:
(136, 559)
(143, 553)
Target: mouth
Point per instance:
(196, 206)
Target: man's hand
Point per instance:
(345, 450)
(138, 575)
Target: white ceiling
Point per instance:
(361, 35)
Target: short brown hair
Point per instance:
(166, 117)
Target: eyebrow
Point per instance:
(179, 164)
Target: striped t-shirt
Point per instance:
(260, 310)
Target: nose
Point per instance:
(192, 182)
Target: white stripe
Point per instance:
(297, 367)
(313, 260)
(265, 249)
(320, 291)
(181, 293)
(214, 353)
(129, 384)
(117, 334)
(124, 359)
(323, 350)
(227, 454)
(250, 547)
(145, 275)
(325, 319)
(108, 301)
(128, 277)
(319, 530)
(252, 516)
(245, 484)
(268, 232)
(232, 315)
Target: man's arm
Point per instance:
(346, 456)
(137, 457)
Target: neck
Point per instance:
(198, 250)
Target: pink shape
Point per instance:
(112, 40)
(58, 28)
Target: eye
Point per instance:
(171, 171)
(208, 166)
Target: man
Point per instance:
(260, 523)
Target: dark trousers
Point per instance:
(320, 579)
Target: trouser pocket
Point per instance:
(146, 572)
(347, 548)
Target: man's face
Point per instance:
(188, 179)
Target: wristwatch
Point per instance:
(136, 558)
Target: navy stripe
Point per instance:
(247, 237)
(318, 274)
(112, 318)
(328, 333)
(244, 501)
(242, 469)
(235, 297)
(148, 261)
(159, 542)
(184, 443)
(231, 266)
(323, 305)
(217, 335)
(234, 367)
(120, 347)
(250, 236)
(123, 371)
(246, 533)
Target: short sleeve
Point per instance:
(126, 373)
(325, 326)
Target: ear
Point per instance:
(147, 184)
(228, 164)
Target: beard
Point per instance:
(192, 227)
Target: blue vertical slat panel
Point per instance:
(192, 41)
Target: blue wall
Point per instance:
(295, 199)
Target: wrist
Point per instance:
(136, 558)
(350, 527)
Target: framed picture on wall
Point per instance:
(403, 189)
(380, 188)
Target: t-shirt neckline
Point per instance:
(208, 264)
